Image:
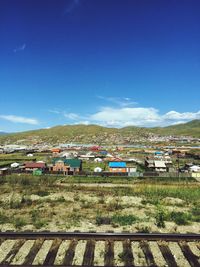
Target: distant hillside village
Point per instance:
(91, 160)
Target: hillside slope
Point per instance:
(100, 135)
(191, 128)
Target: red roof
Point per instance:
(95, 148)
(55, 150)
(33, 165)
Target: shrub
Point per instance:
(180, 218)
(34, 214)
(60, 199)
(26, 201)
(102, 219)
(36, 220)
(42, 193)
(143, 229)
(75, 216)
(160, 217)
(3, 218)
(39, 223)
(19, 222)
(196, 213)
(15, 204)
(124, 219)
(152, 201)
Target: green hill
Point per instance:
(98, 134)
(191, 128)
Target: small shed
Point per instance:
(37, 172)
(3, 171)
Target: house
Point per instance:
(31, 166)
(131, 169)
(66, 166)
(159, 153)
(155, 165)
(149, 164)
(55, 151)
(117, 166)
(160, 166)
(87, 156)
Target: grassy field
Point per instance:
(48, 203)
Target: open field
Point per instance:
(48, 203)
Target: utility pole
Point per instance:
(178, 167)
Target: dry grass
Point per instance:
(25, 207)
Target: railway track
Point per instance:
(99, 249)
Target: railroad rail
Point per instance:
(99, 249)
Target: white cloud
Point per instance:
(174, 115)
(178, 122)
(20, 48)
(122, 112)
(18, 119)
(126, 116)
(140, 116)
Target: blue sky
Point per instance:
(108, 62)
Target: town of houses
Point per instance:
(79, 159)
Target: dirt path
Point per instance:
(109, 185)
(95, 185)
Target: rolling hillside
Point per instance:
(100, 135)
(191, 128)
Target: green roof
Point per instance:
(73, 163)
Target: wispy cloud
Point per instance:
(20, 48)
(119, 101)
(55, 111)
(19, 119)
(72, 4)
(72, 116)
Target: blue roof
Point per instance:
(103, 152)
(158, 152)
(117, 164)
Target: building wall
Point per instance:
(60, 166)
(117, 169)
(196, 174)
